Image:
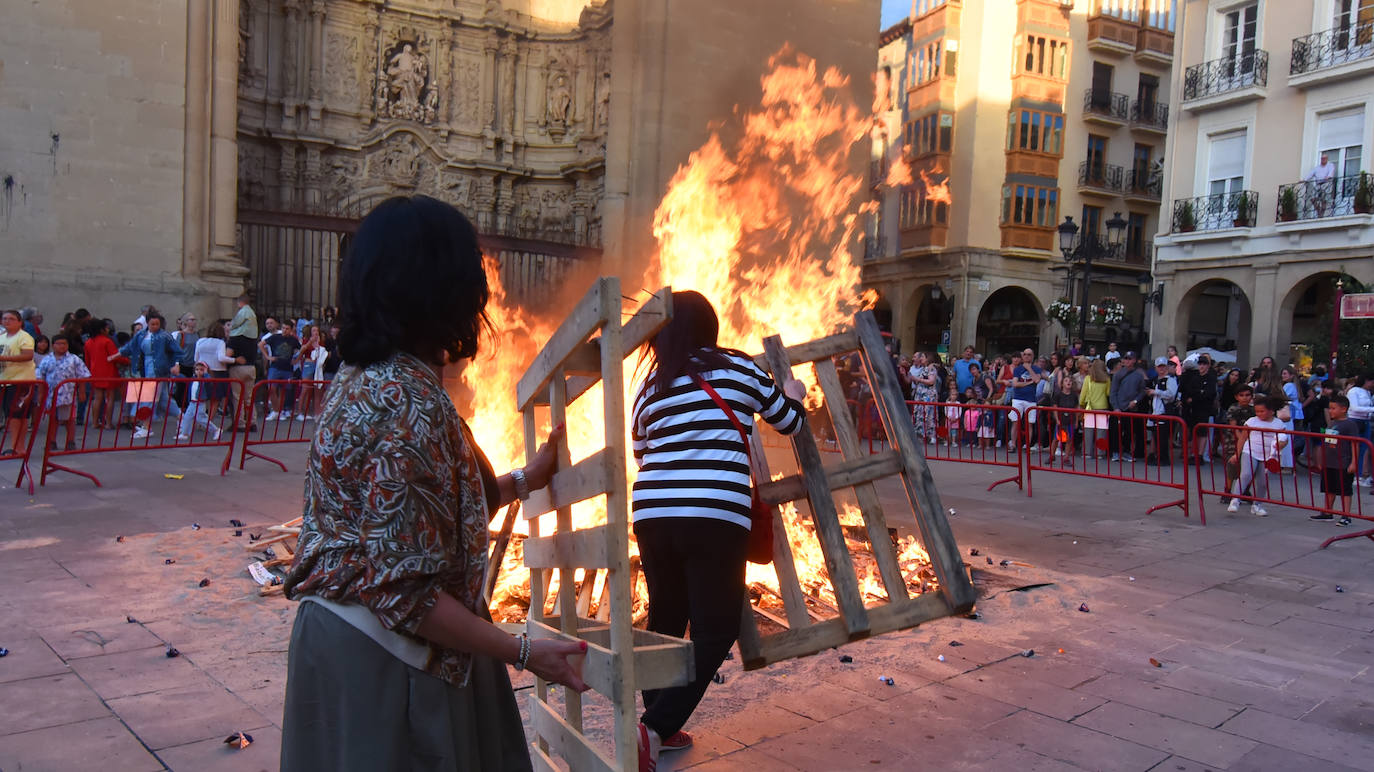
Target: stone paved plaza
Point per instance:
(1263, 663)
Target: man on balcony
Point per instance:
(1323, 187)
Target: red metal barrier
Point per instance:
(307, 395)
(967, 434)
(33, 394)
(1132, 447)
(141, 416)
(1298, 486)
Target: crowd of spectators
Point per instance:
(230, 355)
(955, 403)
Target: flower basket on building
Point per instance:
(1187, 221)
(1108, 311)
(1288, 205)
(1064, 312)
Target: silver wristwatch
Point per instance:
(522, 486)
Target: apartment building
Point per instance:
(1030, 112)
(1259, 226)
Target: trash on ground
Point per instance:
(236, 523)
(973, 615)
(887, 680)
(729, 655)
(1340, 588)
(238, 533)
(1061, 651)
(239, 740)
(940, 658)
(171, 476)
(195, 526)
(168, 562)
(130, 620)
(4, 652)
(1156, 662)
(254, 536)
(718, 678)
(845, 658)
(1083, 607)
(1028, 653)
(989, 561)
(172, 652)
(205, 582)
(973, 552)
(119, 539)
(952, 512)
(955, 643)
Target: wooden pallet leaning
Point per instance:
(858, 471)
(588, 348)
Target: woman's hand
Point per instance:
(794, 389)
(549, 660)
(540, 470)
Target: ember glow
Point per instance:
(766, 227)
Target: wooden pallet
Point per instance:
(590, 347)
(858, 471)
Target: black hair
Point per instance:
(412, 280)
(60, 336)
(1275, 403)
(1243, 388)
(1340, 399)
(122, 337)
(687, 344)
(81, 313)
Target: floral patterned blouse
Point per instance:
(395, 503)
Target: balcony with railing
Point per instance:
(1216, 212)
(1138, 253)
(1106, 107)
(1154, 46)
(1226, 80)
(1143, 186)
(1318, 199)
(1111, 35)
(1334, 54)
(1151, 116)
(1099, 179)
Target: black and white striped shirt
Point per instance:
(692, 462)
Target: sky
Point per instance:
(893, 11)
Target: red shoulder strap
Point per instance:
(720, 403)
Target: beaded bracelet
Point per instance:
(524, 656)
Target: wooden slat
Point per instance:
(660, 661)
(917, 481)
(542, 762)
(567, 591)
(584, 360)
(584, 592)
(539, 578)
(585, 318)
(571, 484)
(820, 348)
(581, 548)
(883, 618)
(845, 474)
(647, 321)
(838, 562)
(793, 599)
(565, 741)
(884, 553)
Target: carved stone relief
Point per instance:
(398, 162)
(341, 68)
(405, 85)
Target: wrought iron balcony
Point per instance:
(1229, 73)
(1137, 254)
(1332, 48)
(1105, 177)
(1150, 115)
(1099, 103)
(1315, 199)
(1141, 183)
(1215, 212)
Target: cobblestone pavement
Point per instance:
(1263, 663)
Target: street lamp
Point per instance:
(1084, 251)
(1153, 296)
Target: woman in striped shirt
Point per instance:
(692, 497)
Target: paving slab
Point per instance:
(45, 701)
(1010, 684)
(1266, 758)
(212, 755)
(1303, 737)
(29, 656)
(1073, 744)
(107, 635)
(1220, 687)
(1155, 697)
(706, 746)
(1181, 738)
(183, 715)
(136, 672)
(765, 722)
(74, 746)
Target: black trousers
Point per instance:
(1126, 434)
(694, 567)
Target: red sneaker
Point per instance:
(647, 762)
(678, 742)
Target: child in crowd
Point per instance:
(970, 420)
(1236, 415)
(198, 407)
(987, 425)
(1063, 429)
(1337, 458)
(1262, 439)
(41, 346)
(953, 413)
(56, 367)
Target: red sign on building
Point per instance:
(1358, 306)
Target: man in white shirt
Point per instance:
(1323, 190)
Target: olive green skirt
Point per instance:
(352, 705)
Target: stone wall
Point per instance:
(92, 96)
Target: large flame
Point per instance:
(765, 227)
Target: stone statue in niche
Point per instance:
(559, 104)
(401, 162)
(404, 88)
